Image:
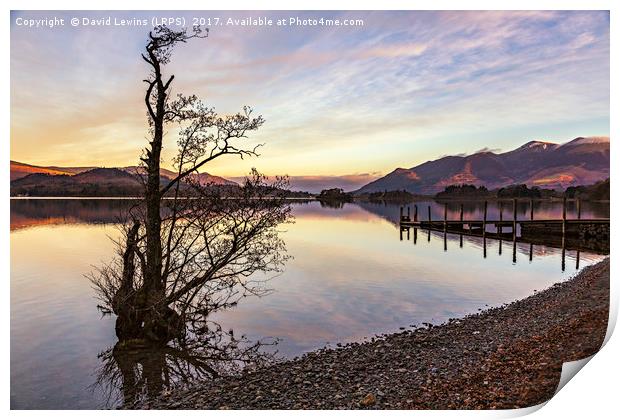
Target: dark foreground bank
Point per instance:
(506, 357)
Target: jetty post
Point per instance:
(563, 218)
(532, 209)
(578, 218)
(415, 212)
(514, 251)
(514, 219)
(445, 217)
(401, 212)
(501, 218)
(429, 224)
(484, 221)
(462, 227)
(564, 234)
(408, 213)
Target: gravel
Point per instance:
(505, 357)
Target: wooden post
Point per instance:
(514, 218)
(531, 209)
(577, 261)
(429, 216)
(445, 217)
(499, 228)
(564, 234)
(401, 213)
(415, 212)
(484, 222)
(579, 208)
(462, 227)
(564, 218)
(408, 213)
(415, 236)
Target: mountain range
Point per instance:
(87, 180)
(582, 161)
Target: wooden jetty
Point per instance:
(574, 234)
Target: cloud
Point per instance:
(404, 88)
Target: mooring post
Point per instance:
(577, 261)
(401, 213)
(501, 217)
(415, 212)
(415, 236)
(514, 219)
(484, 222)
(408, 213)
(579, 208)
(445, 217)
(429, 223)
(563, 218)
(462, 226)
(531, 209)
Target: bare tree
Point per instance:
(189, 248)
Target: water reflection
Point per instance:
(133, 371)
(516, 247)
(350, 278)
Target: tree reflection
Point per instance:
(136, 370)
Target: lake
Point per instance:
(351, 277)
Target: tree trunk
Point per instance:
(154, 288)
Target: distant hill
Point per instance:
(49, 181)
(582, 161)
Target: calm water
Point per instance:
(351, 277)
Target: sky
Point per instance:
(343, 105)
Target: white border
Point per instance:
(593, 394)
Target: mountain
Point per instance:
(88, 181)
(582, 161)
(20, 170)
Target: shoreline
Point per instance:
(504, 357)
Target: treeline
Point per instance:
(598, 191)
(464, 190)
(334, 194)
